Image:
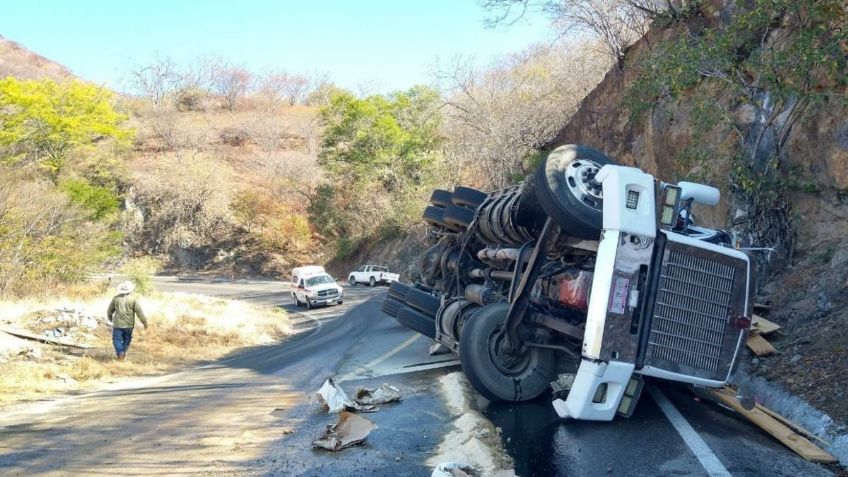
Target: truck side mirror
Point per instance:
(700, 193)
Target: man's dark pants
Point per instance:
(121, 338)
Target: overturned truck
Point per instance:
(585, 278)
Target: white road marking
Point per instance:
(370, 366)
(690, 436)
(393, 352)
(396, 371)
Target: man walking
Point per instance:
(122, 312)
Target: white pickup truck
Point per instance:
(372, 275)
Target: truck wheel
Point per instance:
(372, 282)
(566, 189)
(441, 198)
(468, 197)
(495, 375)
(398, 291)
(434, 216)
(351, 281)
(459, 217)
(391, 306)
(417, 321)
(423, 302)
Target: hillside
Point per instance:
(16, 60)
(222, 191)
(778, 151)
(201, 180)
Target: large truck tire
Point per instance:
(391, 306)
(441, 198)
(459, 217)
(423, 302)
(468, 197)
(490, 372)
(417, 321)
(398, 291)
(566, 189)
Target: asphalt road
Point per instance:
(251, 414)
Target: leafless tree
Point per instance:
(496, 117)
(195, 84)
(280, 87)
(231, 82)
(296, 87)
(615, 23)
(156, 81)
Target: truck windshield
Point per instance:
(380, 269)
(319, 280)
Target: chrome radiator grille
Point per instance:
(690, 319)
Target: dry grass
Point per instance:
(185, 329)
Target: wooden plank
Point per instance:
(762, 307)
(43, 339)
(759, 345)
(763, 325)
(777, 429)
(794, 426)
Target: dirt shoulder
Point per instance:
(184, 329)
(810, 301)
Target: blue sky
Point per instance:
(389, 44)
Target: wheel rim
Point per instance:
(580, 179)
(508, 365)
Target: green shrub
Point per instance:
(346, 247)
(100, 202)
(141, 271)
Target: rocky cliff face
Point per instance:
(805, 145)
(815, 154)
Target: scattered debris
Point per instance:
(43, 339)
(364, 399)
(336, 401)
(382, 395)
(453, 469)
(756, 343)
(766, 419)
(66, 379)
(351, 430)
(438, 348)
(31, 354)
(759, 345)
(763, 326)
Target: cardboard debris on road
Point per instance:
(351, 430)
(336, 401)
(382, 395)
(453, 469)
(765, 419)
